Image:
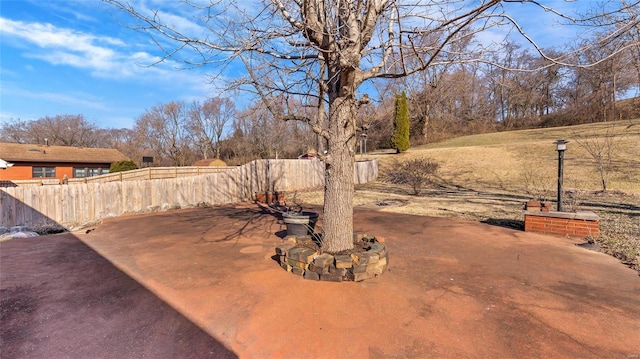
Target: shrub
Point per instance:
(401, 127)
(121, 166)
(416, 173)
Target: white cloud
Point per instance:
(66, 47)
(105, 57)
(491, 37)
(180, 24)
(176, 15)
(77, 98)
(70, 7)
(47, 36)
(101, 58)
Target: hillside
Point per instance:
(519, 160)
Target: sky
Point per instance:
(73, 57)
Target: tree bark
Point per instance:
(339, 185)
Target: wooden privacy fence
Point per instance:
(75, 205)
(134, 175)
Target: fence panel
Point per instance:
(75, 204)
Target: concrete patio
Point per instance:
(453, 289)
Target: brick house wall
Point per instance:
(64, 159)
(24, 170)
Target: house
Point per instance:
(42, 161)
(210, 162)
(307, 156)
(310, 155)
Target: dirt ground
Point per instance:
(203, 283)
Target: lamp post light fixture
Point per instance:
(561, 146)
(363, 143)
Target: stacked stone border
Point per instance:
(569, 224)
(296, 257)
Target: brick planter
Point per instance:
(296, 257)
(535, 206)
(269, 197)
(569, 224)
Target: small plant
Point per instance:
(538, 184)
(575, 197)
(296, 207)
(602, 148)
(121, 166)
(416, 173)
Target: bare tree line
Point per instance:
(176, 134)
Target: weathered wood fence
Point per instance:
(74, 205)
(134, 175)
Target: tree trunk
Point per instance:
(337, 222)
(425, 125)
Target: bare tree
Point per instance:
(164, 131)
(124, 140)
(634, 51)
(258, 134)
(207, 123)
(601, 147)
(596, 89)
(59, 130)
(322, 52)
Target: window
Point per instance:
(43, 172)
(98, 171)
(79, 172)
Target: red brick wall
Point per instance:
(579, 228)
(24, 170)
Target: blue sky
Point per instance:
(72, 57)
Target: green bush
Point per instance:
(121, 166)
(401, 126)
(416, 173)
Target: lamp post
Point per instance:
(363, 144)
(561, 146)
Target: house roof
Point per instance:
(210, 162)
(18, 152)
(307, 155)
